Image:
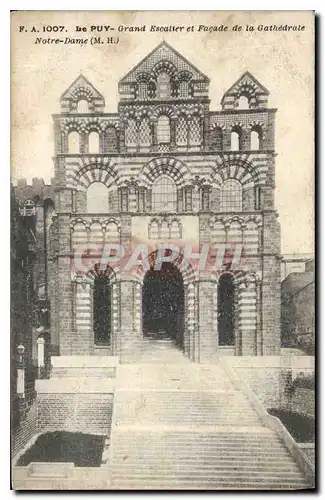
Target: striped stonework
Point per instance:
(247, 314)
(219, 193)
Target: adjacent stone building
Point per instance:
(298, 309)
(164, 168)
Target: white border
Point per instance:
(5, 7)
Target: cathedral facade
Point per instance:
(163, 169)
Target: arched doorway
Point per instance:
(163, 304)
(226, 310)
(102, 310)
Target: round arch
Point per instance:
(171, 167)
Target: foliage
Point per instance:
(301, 427)
(84, 450)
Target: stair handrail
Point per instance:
(274, 423)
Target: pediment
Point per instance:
(167, 54)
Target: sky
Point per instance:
(283, 61)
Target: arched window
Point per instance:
(164, 195)
(97, 198)
(73, 142)
(183, 89)
(255, 139)
(142, 90)
(163, 86)
(153, 230)
(175, 230)
(93, 142)
(231, 196)
(243, 102)
(163, 130)
(164, 230)
(102, 310)
(235, 139)
(82, 106)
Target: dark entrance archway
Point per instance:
(226, 310)
(102, 310)
(163, 304)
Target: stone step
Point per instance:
(200, 446)
(158, 484)
(195, 467)
(206, 474)
(223, 455)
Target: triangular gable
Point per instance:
(81, 82)
(163, 52)
(247, 79)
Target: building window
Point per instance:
(73, 142)
(183, 89)
(255, 140)
(93, 142)
(163, 86)
(163, 130)
(141, 199)
(102, 310)
(235, 139)
(82, 106)
(164, 195)
(164, 230)
(97, 198)
(243, 102)
(153, 230)
(143, 90)
(124, 199)
(188, 199)
(231, 196)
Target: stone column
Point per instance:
(207, 337)
(115, 326)
(247, 315)
(65, 306)
(154, 121)
(259, 340)
(130, 341)
(173, 122)
(83, 342)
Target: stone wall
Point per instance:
(26, 430)
(267, 376)
(88, 413)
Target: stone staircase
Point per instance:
(185, 426)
